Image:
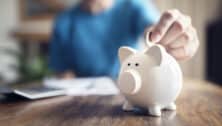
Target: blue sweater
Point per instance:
(88, 44)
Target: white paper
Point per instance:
(84, 86)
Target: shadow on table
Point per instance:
(109, 106)
(11, 98)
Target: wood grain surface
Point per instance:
(199, 104)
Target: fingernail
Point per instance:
(155, 37)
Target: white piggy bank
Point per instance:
(150, 79)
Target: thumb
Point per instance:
(152, 36)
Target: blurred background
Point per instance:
(25, 29)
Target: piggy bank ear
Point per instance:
(156, 52)
(124, 52)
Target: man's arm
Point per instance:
(57, 61)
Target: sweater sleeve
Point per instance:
(144, 15)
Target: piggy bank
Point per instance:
(151, 79)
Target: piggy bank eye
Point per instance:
(137, 64)
(128, 64)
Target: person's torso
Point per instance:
(95, 39)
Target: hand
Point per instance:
(66, 75)
(175, 32)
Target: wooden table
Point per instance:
(200, 104)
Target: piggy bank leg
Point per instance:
(127, 106)
(171, 106)
(155, 110)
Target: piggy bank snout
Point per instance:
(129, 82)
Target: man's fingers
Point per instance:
(147, 32)
(186, 51)
(182, 39)
(175, 32)
(163, 25)
(179, 53)
(178, 27)
(180, 42)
